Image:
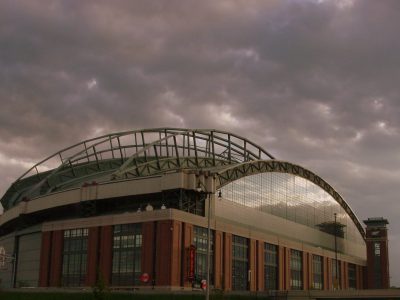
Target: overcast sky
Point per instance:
(313, 82)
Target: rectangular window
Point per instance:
(296, 269)
(352, 276)
(336, 279)
(318, 277)
(240, 263)
(74, 257)
(200, 242)
(270, 266)
(127, 253)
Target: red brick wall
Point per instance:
(148, 248)
(281, 266)
(164, 247)
(381, 238)
(345, 275)
(305, 271)
(385, 264)
(92, 256)
(260, 266)
(227, 262)
(218, 262)
(287, 269)
(329, 273)
(176, 253)
(105, 255)
(45, 256)
(56, 258)
(252, 264)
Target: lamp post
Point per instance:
(202, 188)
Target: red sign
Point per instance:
(203, 284)
(192, 259)
(144, 278)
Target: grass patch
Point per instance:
(22, 295)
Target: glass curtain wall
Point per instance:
(270, 266)
(318, 275)
(74, 257)
(296, 270)
(127, 250)
(200, 242)
(293, 198)
(240, 263)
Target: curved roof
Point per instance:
(146, 152)
(132, 153)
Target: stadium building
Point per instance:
(135, 209)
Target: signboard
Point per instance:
(203, 284)
(191, 262)
(144, 277)
(377, 249)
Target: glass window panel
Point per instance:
(240, 263)
(200, 242)
(74, 257)
(318, 276)
(270, 266)
(126, 254)
(296, 269)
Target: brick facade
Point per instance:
(164, 257)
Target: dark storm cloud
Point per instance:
(314, 82)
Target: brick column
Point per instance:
(227, 262)
(325, 270)
(344, 276)
(45, 256)
(252, 264)
(287, 269)
(260, 266)
(281, 268)
(218, 259)
(148, 248)
(164, 255)
(105, 255)
(385, 264)
(56, 258)
(305, 270)
(310, 272)
(92, 256)
(359, 277)
(176, 244)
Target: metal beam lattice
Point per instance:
(121, 154)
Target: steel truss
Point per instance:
(133, 153)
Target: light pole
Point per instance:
(202, 188)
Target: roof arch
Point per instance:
(140, 153)
(235, 172)
(121, 154)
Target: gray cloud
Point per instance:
(314, 82)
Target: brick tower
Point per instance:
(377, 253)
